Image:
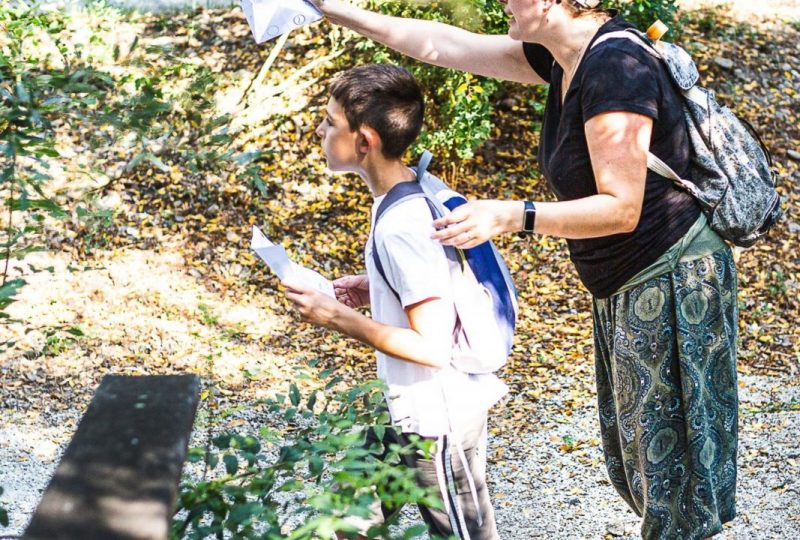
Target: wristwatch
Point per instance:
(528, 217)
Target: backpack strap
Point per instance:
(422, 167)
(400, 193)
(689, 92)
(632, 35)
(654, 163)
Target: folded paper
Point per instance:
(286, 269)
(271, 18)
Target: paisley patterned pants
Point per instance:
(665, 354)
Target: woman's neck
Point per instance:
(568, 43)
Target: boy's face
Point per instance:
(339, 142)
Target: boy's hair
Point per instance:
(384, 97)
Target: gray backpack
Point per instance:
(731, 168)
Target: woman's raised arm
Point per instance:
(436, 43)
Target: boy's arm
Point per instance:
(426, 342)
(437, 43)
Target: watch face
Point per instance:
(530, 217)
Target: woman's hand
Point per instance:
(352, 291)
(314, 306)
(475, 222)
(326, 6)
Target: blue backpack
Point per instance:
(484, 294)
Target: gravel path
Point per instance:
(548, 482)
(544, 492)
(542, 488)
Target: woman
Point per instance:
(663, 284)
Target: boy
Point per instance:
(375, 112)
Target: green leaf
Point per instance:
(222, 441)
(315, 465)
(75, 331)
(312, 400)
(160, 165)
(231, 463)
(195, 454)
(248, 157)
(294, 395)
(242, 513)
(46, 151)
(11, 288)
(22, 93)
(135, 161)
(43, 204)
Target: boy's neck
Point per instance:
(383, 174)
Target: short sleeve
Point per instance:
(415, 264)
(540, 59)
(618, 78)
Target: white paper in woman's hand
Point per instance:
(271, 18)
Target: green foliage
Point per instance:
(60, 338)
(643, 13)
(460, 104)
(65, 84)
(301, 483)
(45, 85)
(3, 513)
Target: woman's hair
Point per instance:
(384, 97)
(579, 7)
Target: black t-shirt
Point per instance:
(617, 75)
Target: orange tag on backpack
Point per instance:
(657, 30)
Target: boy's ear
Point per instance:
(368, 139)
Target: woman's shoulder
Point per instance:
(621, 52)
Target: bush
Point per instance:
(643, 13)
(460, 104)
(3, 513)
(43, 86)
(303, 482)
(64, 83)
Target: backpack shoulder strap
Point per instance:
(400, 193)
(654, 163)
(422, 167)
(632, 35)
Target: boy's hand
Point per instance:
(352, 291)
(314, 306)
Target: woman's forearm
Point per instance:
(437, 43)
(427, 41)
(590, 217)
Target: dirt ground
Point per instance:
(155, 311)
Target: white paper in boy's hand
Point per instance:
(276, 258)
(271, 18)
